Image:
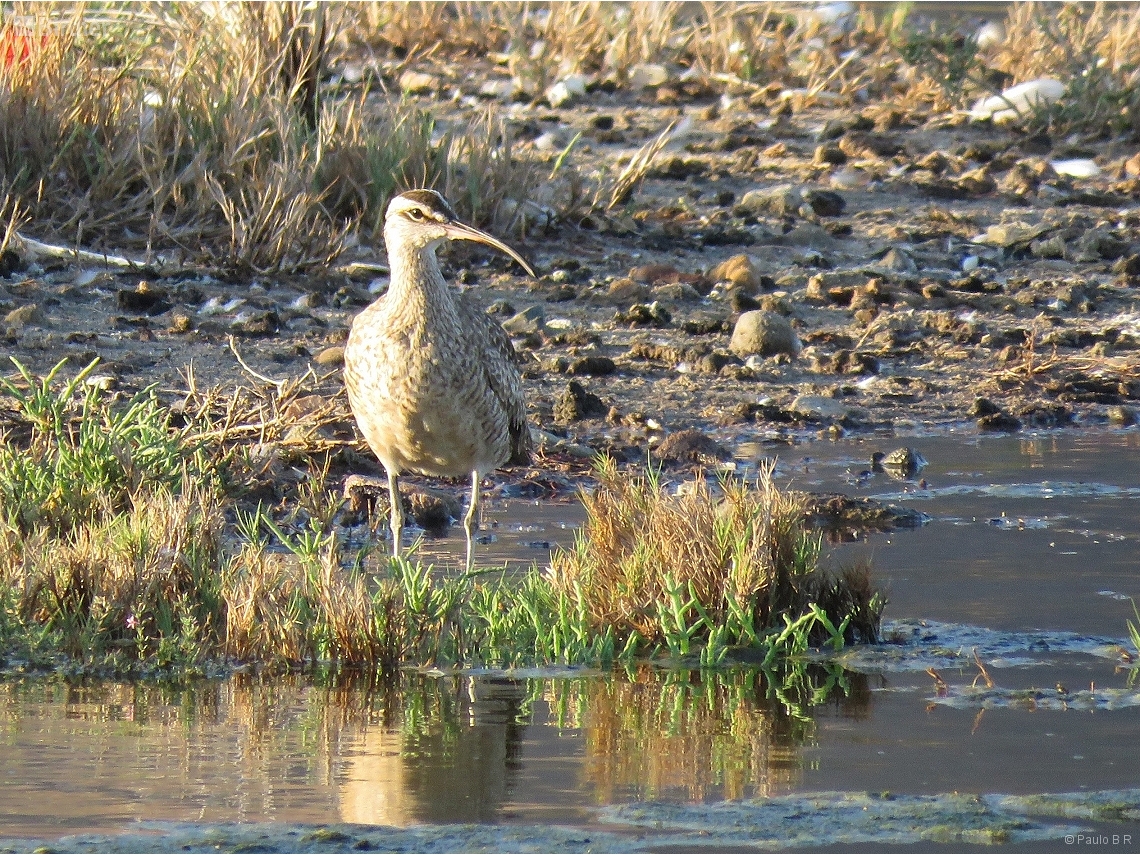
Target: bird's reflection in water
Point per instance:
(452, 757)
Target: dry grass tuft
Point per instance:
(1089, 47)
(182, 131)
(142, 582)
(743, 559)
(1092, 49)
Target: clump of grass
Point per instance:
(201, 137)
(76, 461)
(699, 572)
(1090, 48)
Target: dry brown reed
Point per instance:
(183, 129)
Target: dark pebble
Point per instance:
(595, 366)
(690, 446)
(561, 294)
(984, 407)
(825, 203)
(263, 324)
(10, 263)
(999, 423)
(144, 298)
(641, 315)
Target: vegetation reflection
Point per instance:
(449, 748)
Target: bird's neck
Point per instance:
(417, 282)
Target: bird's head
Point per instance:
(420, 220)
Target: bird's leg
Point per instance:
(471, 520)
(397, 512)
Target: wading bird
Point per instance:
(432, 380)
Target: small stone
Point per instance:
(642, 315)
(626, 291)
(829, 153)
(1123, 416)
(102, 382)
(330, 357)
(781, 200)
(501, 307)
(740, 272)
(561, 294)
(257, 324)
(691, 446)
(897, 261)
(859, 144)
(848, 178)
(741, 302)
(549, 141)
(1128, 267)
(832, 129)
(1008, 235)
(904, 461)
(29, 315)
(565, 91)
(595, 366)
(144, 298)
(10, 263)
(652, 274)
(1051, 247)
(502, 88)
(181, 322)
(433, 510)
(645, 75)
(677, 292)
(977, 182)
(825, 203)
(764, 333)
(418, 83)
(527, 322)
(818, 407)
(999, 423)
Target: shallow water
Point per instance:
(1029, 558)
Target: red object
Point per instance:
(17, 45)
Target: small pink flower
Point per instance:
(132, 622)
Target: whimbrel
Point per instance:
(431, 379)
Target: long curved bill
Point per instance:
(462, 231)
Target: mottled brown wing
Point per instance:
(500, 367)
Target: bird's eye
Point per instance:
(416, 214)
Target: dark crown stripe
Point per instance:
(431, 201)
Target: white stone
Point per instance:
(1017, 101)
(990, 34)
(1078, 167)
(418, 82)
(646, 74)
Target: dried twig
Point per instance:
(635, 172)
